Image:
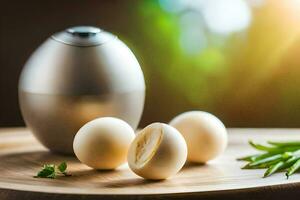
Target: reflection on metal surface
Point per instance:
(55, 119)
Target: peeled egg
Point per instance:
(157, 152)
(205, 135)
(103, 143)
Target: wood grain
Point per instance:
(21, 156)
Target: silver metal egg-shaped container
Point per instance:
(75, 76)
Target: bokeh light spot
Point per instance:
(192, 38)
(172, 6)
(227, 16)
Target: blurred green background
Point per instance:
(235, 58)
(238, 59)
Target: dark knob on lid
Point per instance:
(83, 31)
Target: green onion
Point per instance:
(273, 168)
(293, 168)
(276, 157)
(285, 144)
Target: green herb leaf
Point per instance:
(62, 167)
(49, 171)
(46, 172)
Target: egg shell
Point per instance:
(205, 135)
(103, 143)
(158, 152)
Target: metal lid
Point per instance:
(83, 36)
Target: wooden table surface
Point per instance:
(21, 156)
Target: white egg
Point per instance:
(158, 152)
(103, 143)
(205, 135)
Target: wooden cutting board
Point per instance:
(21, 156)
